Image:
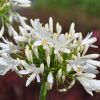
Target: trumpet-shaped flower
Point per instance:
(89, 83)
(8, 47)
(7, 64)
(34, 71)
(44, 37)
(60, 45)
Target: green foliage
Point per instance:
(92, 7)
(5, 8)
(53, 4)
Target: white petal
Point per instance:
(66, 50)
(61, 39)
(35, 50)
(7, 69)
(90, 84)
(58, 29)
(51, 24)
(22, 30)
(78, 35)
(38, 43)
(85, 49)
(24, 72)
(72, 30)
(71, 84)
(89, 41)
(13, 32)
(91, 69)
(38, 78)
(28, 54)
(91, 66)
(42, 68)
(90, 56)
(4, 46)
(88, 35)
(94, 62)
(68, 68)
(59, 74)
(93, 46)
(30, 79)
(25, 64)
(1, 31)
(48, 61)
(22, 22)
(89, 75)
(20, 38)
(59, 57)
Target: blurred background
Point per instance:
(86, 15)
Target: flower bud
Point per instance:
(59, 74)
(48, 61)
(42, 68)
(35, 50)
(28, 53)
(51, 24)
(50, 78)
(58, 28)
(68, 68)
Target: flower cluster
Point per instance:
(51, 57)
(8, 14)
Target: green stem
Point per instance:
(43, 92)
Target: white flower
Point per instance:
(22, 20)
(60, 45)
(88, 40)
(85, 64)
(44, 37)
(90, 69)
(8, 47)
(11, 30)
(23, 37)
(7, 63)
(34, 71)
(89, 83)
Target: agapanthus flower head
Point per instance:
(51, 57)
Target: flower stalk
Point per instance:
(43, 92)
